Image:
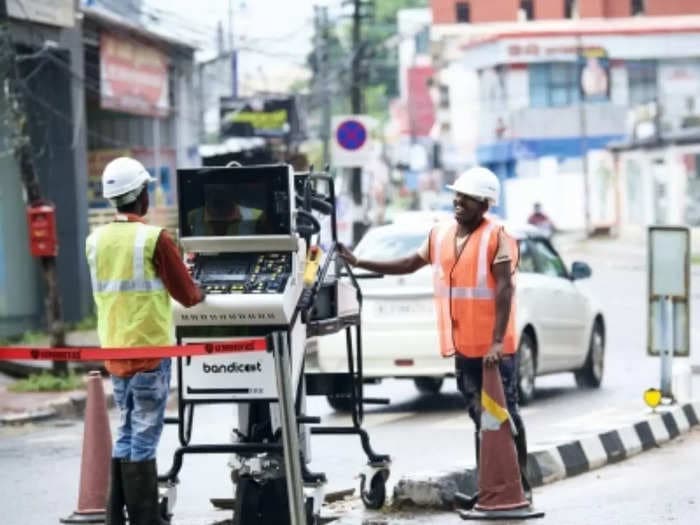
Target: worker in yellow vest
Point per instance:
(135, 269)
(474, 262)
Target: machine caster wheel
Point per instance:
(375, 497)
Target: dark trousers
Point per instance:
(468, 372)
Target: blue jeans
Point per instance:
(141, 400)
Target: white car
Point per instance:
(560, 327)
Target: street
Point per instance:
(226, 174)
(41, 463)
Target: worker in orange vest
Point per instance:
(474, 262)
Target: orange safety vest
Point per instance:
(465, 290)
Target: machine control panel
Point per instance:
(242, 273)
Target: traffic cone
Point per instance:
(501, 495)
(96, 458)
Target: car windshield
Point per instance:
(383, 244)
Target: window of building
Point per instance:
(570, 9)
(637, 7)
(527, 10)
(463, 14)
(641, 81)
(554, 84)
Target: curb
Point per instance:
(70, 407)
(436, 490)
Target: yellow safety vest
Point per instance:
(133, 306)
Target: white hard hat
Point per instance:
(478, 182)
(123, 178)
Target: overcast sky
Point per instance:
(279, 32)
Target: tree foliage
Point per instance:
(379, 65)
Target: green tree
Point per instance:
(382, 61)
(379, 61)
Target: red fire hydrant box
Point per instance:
(41, 220)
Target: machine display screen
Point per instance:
(234, 202)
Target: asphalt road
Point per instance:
(41, 464)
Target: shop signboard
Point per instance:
(133, 77)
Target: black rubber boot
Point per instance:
(521, 448)
(114, 513)
(464, 501)
(140, 480)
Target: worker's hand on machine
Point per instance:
(202, 291)
(347, 255)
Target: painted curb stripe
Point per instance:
(534, 472)
(646, 436)
(595, 452)
(570, 459)
(612, 443)
(658, 429)
(670, 424)
(681, 421)
(575, 461)
(690, 415)
(630, 440)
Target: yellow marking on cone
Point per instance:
(493, 408)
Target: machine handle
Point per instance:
(363, 275)
(312, 227)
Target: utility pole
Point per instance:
(583, 129)
(357, 106)
(22, 147)
(322, 87)
(233, 55)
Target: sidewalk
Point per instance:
(26, 407)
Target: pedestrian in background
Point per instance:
(135, 268)
(541, 220)
(474, 262)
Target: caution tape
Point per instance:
(92, 353)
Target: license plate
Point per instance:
(398, 308)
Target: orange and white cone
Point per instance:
(97, 454)
(501, 494)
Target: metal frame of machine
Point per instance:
(317, 309)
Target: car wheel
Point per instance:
(526, 369)
(428, 385)
(340, 403)
(591, 375)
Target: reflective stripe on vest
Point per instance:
(138, 283)
(481, 291)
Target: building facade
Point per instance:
(96, 84)
(486, 11)
(554, 88)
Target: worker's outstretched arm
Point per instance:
(504, 297)
(395, 267)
